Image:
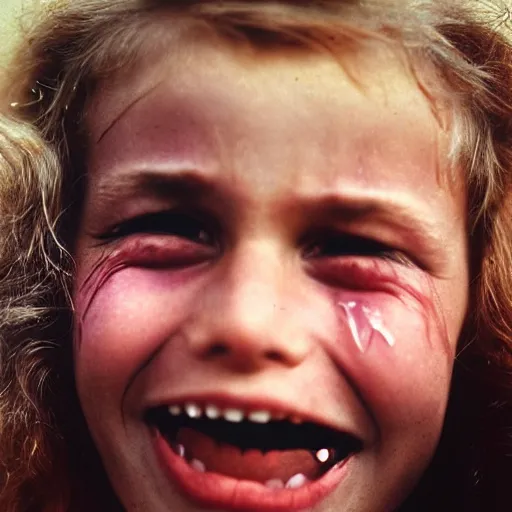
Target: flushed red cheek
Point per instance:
(372, 297)
(122, 324)
(379, 317)
(146, 252)
(122, 302)
(393, 342)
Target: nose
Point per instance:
(248, 317)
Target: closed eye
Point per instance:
(172, 223)
(332, 245)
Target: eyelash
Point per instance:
(180, 224)
(194, 228)
(333, 245)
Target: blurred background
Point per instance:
(11, 24)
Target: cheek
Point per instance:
(121, 322)
(397, 350)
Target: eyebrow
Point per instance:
(354, 209)
(190, 186)
(416, 228)
(183, 186)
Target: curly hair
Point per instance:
(48, 462)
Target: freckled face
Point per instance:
(261, 233)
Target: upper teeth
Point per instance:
(212, 412)
(175, 410)
(234, 415)
(231, 414)
(193, 410)
(259, 416)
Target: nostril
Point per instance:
(218, 349)
(274, 355)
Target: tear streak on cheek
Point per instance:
(372, 321)
(365, 323)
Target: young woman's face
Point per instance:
(272, 277)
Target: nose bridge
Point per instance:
(255, 287)
(247, 317)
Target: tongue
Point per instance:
(252, 465)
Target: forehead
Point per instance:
(202, 101)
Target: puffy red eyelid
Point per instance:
(163, 251)
(145, 251)
(361, 272)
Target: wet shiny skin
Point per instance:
(270, 155)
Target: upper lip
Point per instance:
(250, 404)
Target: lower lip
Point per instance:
(212, 490)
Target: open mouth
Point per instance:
(274, 450)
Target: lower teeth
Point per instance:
(275, 484)
(296, 481)
(198, 465)
(323, 455)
